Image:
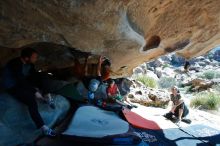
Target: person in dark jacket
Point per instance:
(18, 75)
(186, 66)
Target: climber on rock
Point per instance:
(18, 77)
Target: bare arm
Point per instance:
(179, 102)
(180, 113)
(109, 95)
(118, 92)
(85, 67)
(99, 66)
(175, 104)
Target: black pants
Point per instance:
(26, 94)
(25, 91)
(185, 113)
(176, 114)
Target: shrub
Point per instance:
(165, 65)
(209, 101)
(166, 82)
(147, 81)
(210, 74)
(216, 88)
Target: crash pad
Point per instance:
(92, 124)
(138, 121)
(168, 137)
(204, 133)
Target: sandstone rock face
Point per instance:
(128, 32)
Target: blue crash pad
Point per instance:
(168, 137)
(204, 133)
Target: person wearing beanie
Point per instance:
(93, 86)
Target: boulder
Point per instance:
(144, 67)
(138, 71)
(169, 72)
(156, 63)
(177, 60)
(196, 67)
(129, 32)
(16, 125)
(200, 58)
(124, 85)
(202, 64)
(152, 75)
(207, 61)
(149, 67)
(158, 72)
(148, 96)
(199, 84)
(216, 55)
(166, 58)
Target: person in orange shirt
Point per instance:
(105, 68)
(86, 69)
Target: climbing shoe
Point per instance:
(129, 106)
(188, 121)
(168, 115)
(49, 132)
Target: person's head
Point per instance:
(111, 83)
(106, 63)
(93, 85)
(176, 94)
(29, 55)
(175, 90)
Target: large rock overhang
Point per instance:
(129, 32)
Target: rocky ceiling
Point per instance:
(128, 32)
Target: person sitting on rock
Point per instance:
(179, 110)
(85, 87)
(124, 89)
(90, 83)
(114, 95)
(113, 91)
(18, 75)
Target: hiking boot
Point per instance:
(135, 106)
(129, 106)
(168, 115)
